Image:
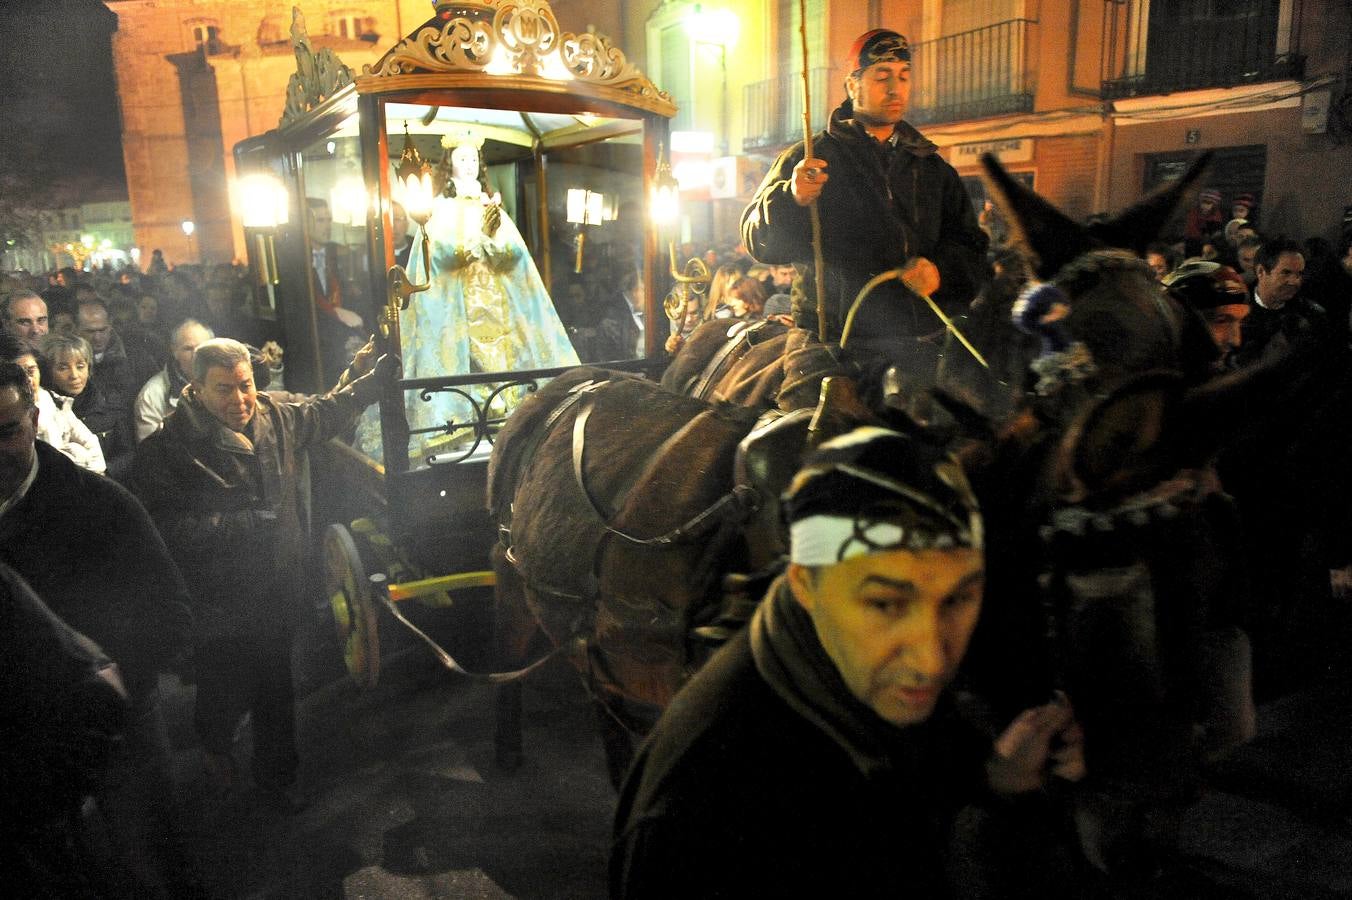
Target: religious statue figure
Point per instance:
(487, 309)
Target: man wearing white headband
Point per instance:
(818, 753)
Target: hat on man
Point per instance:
(877, 46)
(778, 305)
(1244, 200)
(1206, 285)
(1210, 194)
(874, 490)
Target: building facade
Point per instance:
(195, 77)
(1093, 102)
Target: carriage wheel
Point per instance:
(353, 606)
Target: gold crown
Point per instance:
(462, 135)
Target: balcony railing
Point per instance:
(774, 109)
(1177, 45)
(971, 75)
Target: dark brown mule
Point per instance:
(621, 509)
(762, 365)
(1102, 510)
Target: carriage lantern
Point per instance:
(414, 174)
(666, 210)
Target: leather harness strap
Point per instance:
(743, 341)
(737, 503)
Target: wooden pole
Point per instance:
(818, 263)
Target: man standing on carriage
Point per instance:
(820, 752)
(886, 197)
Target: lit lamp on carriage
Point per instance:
(263, 205)
(414, 177)
(666, 213)
(584, 208)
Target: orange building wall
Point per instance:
(1066, 172)
(167, 178)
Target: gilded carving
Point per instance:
(522, 38)
(318, 76)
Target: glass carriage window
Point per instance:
(334, 207)
(535, 262)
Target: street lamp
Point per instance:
(188, 228)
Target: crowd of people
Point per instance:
(191, 547)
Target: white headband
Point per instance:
(825, 540)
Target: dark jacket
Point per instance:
(881, 207)
(1268, 333)
(62, 714)
(62, 711)
(87, 547)
(122, 371)
(110, 420)
(737, 793)
(228, 505)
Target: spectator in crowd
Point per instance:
(620, 331)
(1247, 257)
(779, 307)
(1205, 218)
(1220, 296)
(1277, 314)
(63, 321)
(829, 716)
(160, 395)
(70, 361)
(1244, 207)
(222, 480)
(63, 714)
(118, 369)
(1325, 283)
(90, 551)
(26, 317)
(336, 299)
(682, 329)
(885, 196)
(746, 299)
(157, 266)
(1161, 259)
(57, 423)
(723, 278)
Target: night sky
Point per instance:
(58, 97)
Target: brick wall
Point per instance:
(1066, 168)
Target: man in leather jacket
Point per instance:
(221, 479)
(886, 198)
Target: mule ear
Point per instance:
(1139, 224)
(1050, 237)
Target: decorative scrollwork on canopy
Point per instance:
(529, 33)
(513, 37)
(457, 45)
(318, 76)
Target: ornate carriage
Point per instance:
(351, 230)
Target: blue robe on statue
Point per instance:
(486, 311)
